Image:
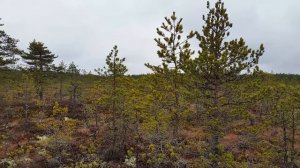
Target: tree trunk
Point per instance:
(26, 102)
(96, 116)
(293, 153)
(40, 89)
(285, 139)
(176, 110)
(60, 89)
(218, 118)
(114, 110)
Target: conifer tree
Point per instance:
(114, 65)
(114, 70)
(74, 71)
(286, 117)
(60, 69)
(174, 51)
(39, 58)
(8, 49)
(220, 62)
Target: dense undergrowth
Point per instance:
(54, 133)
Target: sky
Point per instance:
(84, 31)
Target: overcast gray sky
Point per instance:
(84, 31)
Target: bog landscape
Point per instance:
(209, 106)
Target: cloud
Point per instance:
(84, 31)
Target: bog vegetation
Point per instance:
(209, 107)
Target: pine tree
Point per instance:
(220, 62)
(286, 117)
(74, 71)
(115, 67)
(60, 69)
(174, 52)
(39, 58)
(8, 49)
(114, 70)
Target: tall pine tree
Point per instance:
(39, 58)
(60, 70)
(220, 62)
(74, 71)
(115, 70)
(174, 51)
